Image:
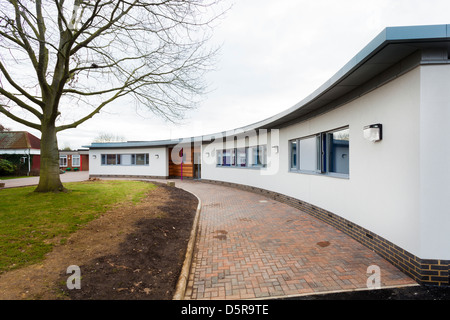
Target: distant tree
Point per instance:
(58, 56)
(109, 137)
(2, 128)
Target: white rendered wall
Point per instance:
(158, 166)
(382, 191)
(435, 161)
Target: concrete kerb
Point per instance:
(183, 279)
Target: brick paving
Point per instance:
(250, 247)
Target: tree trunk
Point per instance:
(49, 180)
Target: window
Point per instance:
(309, 154)
(324, 153)
(75, 160)
(293, 154)
(126, 159)
(63, 161)
(219, 158)
(338, 151)
(243, 157)
(139, 159)
(228, 158)
(112, 159)
(257, 156)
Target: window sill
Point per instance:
(242, 168)
(328, 174)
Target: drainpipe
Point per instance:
(181, 153)
(29, 162)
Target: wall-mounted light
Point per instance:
(373, 132)
(207, 154)
(94, 157)
(275, 149)
(157, 156)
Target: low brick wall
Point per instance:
(427, 272)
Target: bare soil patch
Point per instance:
(132, 252)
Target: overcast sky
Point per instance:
(273, 55)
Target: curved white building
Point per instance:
(367, 152)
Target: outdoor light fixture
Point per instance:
(94, 157)
(275, 149)
(157, 156)
(373, 132)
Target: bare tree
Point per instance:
(109, 137)
(62, 61)
(3, 128)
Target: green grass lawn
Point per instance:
(13, 177)
(31, 223)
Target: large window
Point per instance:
(75, 160)
(250, 157)
(323, 153)
(138, 159)
(63, 161)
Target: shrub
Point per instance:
(6, 167)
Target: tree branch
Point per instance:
(90, 115)
(19, 88)
(17, 119)
(20, 103)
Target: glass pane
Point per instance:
(293, 164)
(241, 157)
(125, 159)
(338, 151)
(110, 159)
(228, 158)
(140, 159)
(262, 155)
(219, 157)
(258, 156)
(308, 154)
(75, 161)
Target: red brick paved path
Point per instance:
(250, 247)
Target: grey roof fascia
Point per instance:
(133, 144)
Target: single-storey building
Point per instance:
(367, 152)
(153, 159)
(74, 160)
(23, 149)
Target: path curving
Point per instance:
(249, 247)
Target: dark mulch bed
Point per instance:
(148, 263)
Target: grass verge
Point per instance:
(32, 223)
(12, 177)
